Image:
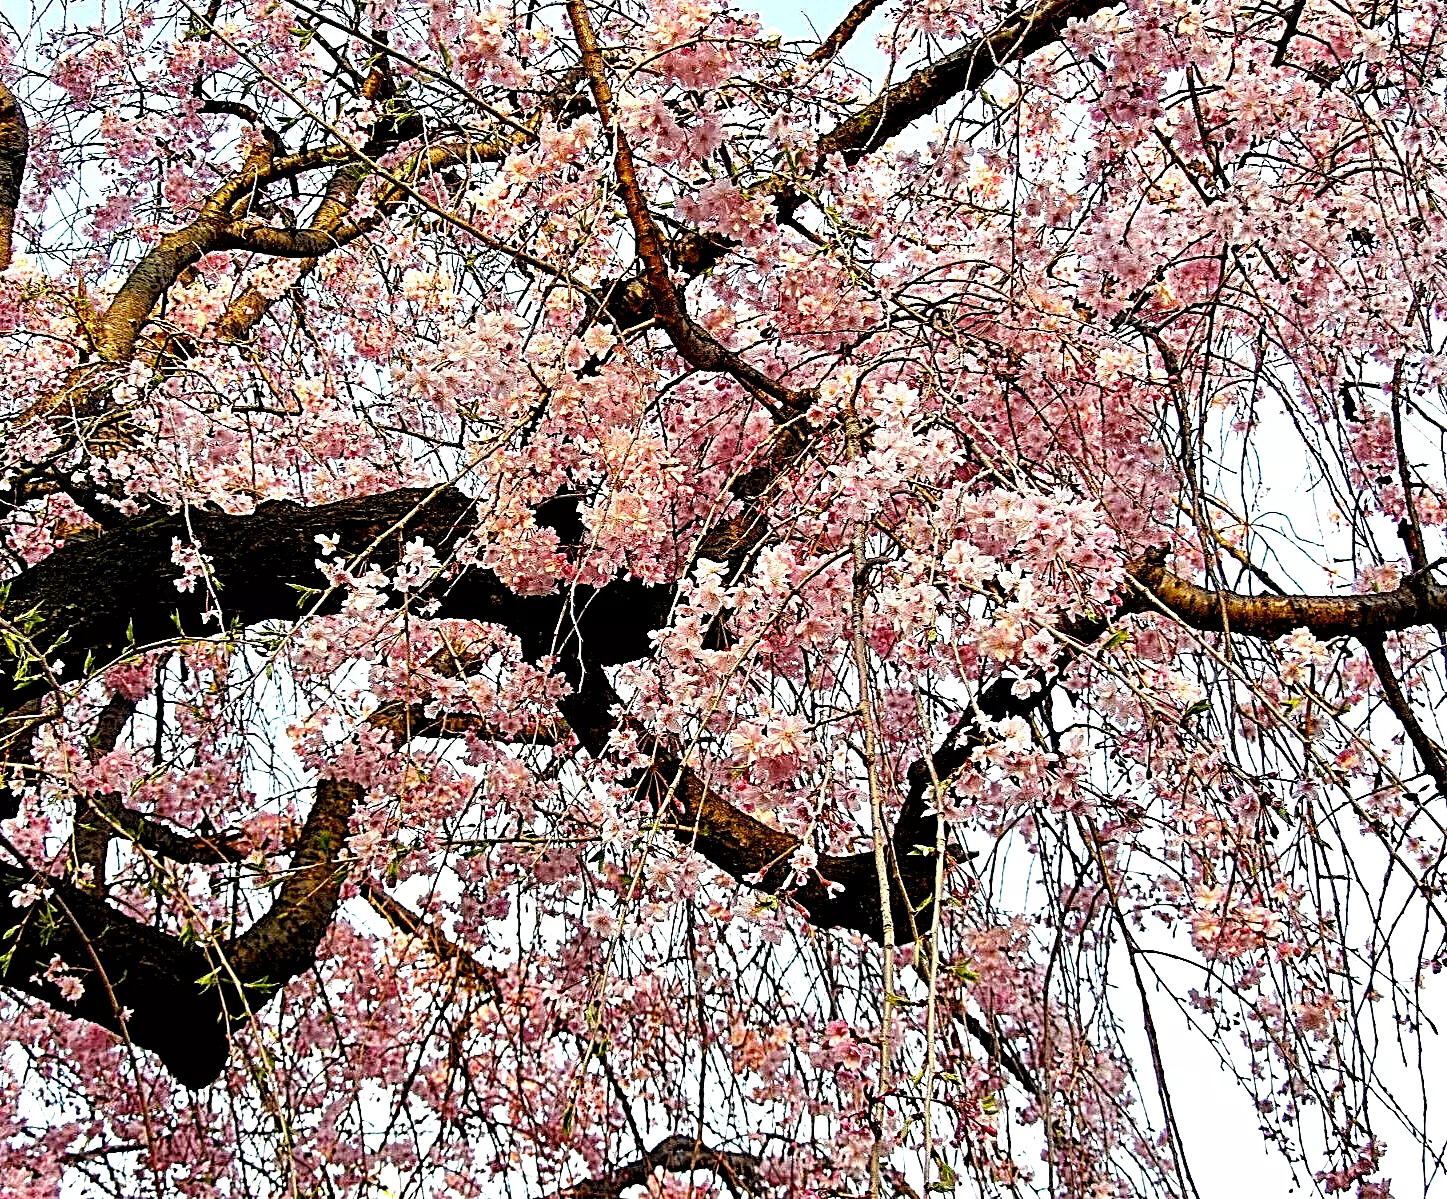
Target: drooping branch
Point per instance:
(113, 591)
(1428, 750)
(676, 1154)
(124, 966)
(14, 151)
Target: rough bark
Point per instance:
(677, 1154)
(283, 943)
(124, 965)
(107, 595)
(14, 151)
(963, 72)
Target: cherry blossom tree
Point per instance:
(596, 599)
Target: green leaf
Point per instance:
(1201, 705)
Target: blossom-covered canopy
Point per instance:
(599, 599)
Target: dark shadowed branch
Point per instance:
(676, 1154)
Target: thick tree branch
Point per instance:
(111, 593)
(181, 1001)
(405, 721)
(841, 34)
(111, 819)
(964, 71)
(222, 222)
(154, 274)
(102, 590)
(283, 942)
(123, 965)
(18, 727)
(330, 229)
(676, 1154)
(844, 890)
(91, 832)
(1418, 602)
(244, 313)
(14, 150)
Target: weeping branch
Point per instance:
(109, 594)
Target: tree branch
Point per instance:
(844, 890)
(150, 987)
(411, 720)
(839, 37)
(159, 269)
(1427, 749)
(91, 833)
(14, 150)
(410, 924)
(696, 346)
(966, 70)
(283, 942)
(113, 819)
(677, 1154)
(109, 594)
(1417, 602)
(146, 972)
